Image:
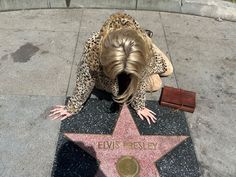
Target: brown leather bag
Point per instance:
(178, 99)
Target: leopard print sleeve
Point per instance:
(86, 75)
(84, 84)
(139, 99)
(158, 63)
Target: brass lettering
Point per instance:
(110, 145)
(154, 146)
(100, 145)
(117, 145)
(150, 146)
(145, 147)
(127, 145)
(135, 145)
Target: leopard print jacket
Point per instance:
(90, 74)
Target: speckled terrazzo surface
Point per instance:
(98, 118)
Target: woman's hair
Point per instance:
(125, 52)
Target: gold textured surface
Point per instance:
(127, 166)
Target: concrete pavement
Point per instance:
(202, 51)
(208, 8)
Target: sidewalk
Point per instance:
(207, 8)
(39, 51)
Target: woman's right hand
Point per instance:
(59, 112)
(147, 114)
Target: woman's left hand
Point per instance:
(147, 114)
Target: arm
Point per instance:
(139, 97)
(162, 64)
(138, 103)
(84, 85)
(86, 75)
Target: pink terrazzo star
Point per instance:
(126, 141)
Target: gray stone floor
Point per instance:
(203, 52)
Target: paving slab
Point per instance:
(26, 4)
(160, 5)
(28, 139)
(210, 8)
(99, 125)
(49, 20)
(208, 61)
(188, 25)
(35, 62)
(59, 3)
(117, 4)
(207, 66)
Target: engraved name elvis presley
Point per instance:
(112, 145)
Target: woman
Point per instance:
(122, 59)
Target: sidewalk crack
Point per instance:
(168, 50)
(76, 44)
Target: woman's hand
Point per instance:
(59, 112)
(147, 114)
